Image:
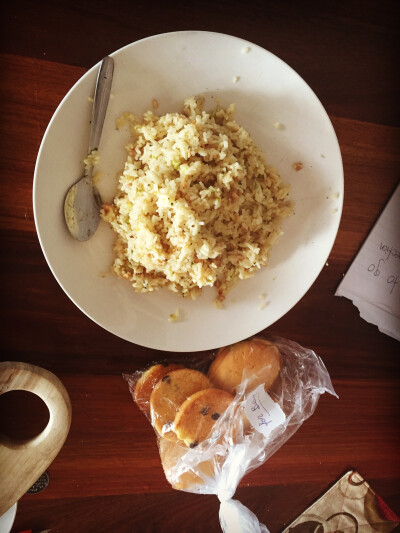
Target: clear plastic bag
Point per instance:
(262, 415)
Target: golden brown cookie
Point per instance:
(257, 360)
(169, 394)
(179, 477)
(147, 382)
(198, 414)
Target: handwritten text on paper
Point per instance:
(387, 265)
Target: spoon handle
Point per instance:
(101, 98)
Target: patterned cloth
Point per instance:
(350, 506)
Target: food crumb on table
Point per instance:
(297, 166)
(125, 118)
(264, 303)
(96, 178)
(92, 159)
(174, 317)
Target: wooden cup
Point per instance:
(22, 462)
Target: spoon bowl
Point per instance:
(82, 209)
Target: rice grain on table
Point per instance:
(197, 205)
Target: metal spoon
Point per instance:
(83, 202)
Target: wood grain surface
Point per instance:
(23, 461)
(108, 476)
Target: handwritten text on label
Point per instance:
(263, 413)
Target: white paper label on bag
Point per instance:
(263, 413)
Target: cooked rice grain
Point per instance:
(197, 204)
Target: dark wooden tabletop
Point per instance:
(108, 476)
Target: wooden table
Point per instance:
(108, 477)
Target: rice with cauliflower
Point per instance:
(197, 205)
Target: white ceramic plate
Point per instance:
(171, 67)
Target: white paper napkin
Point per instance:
(373, 280)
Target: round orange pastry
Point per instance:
(256, 360)
(148, 380)
(182, 478)
(198, 414)
(169, 394)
